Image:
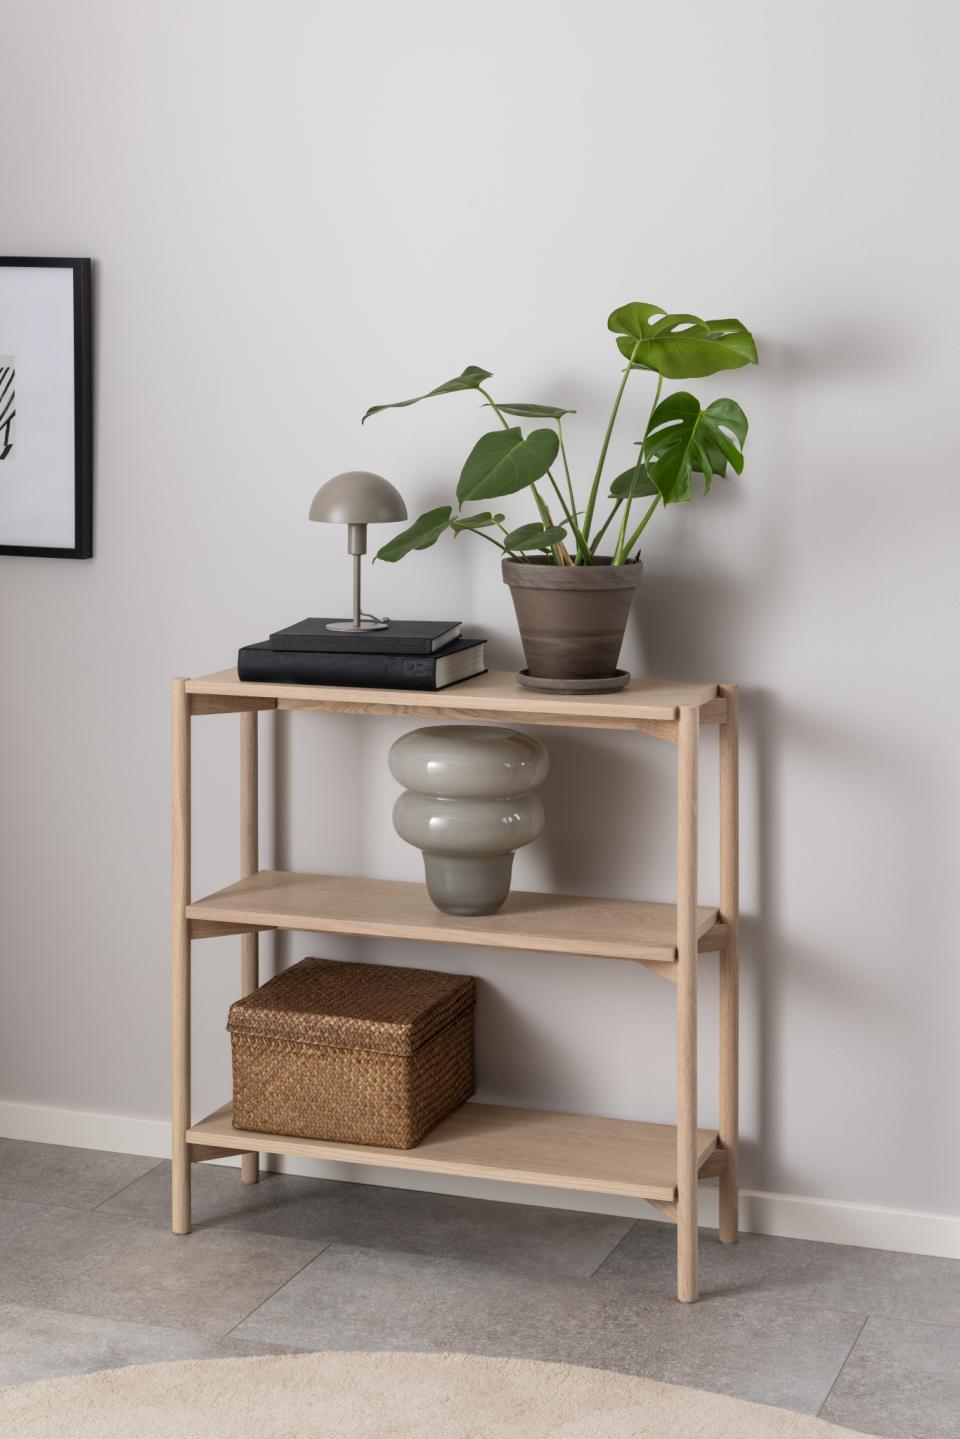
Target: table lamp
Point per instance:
(357, 499)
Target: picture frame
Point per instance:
(46, 407)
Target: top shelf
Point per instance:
(644, 704)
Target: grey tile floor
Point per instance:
(91, 1278)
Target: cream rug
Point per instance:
(384, 1396)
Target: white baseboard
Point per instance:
(120, 1133)
(790, 1216)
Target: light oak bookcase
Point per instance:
(657, 1162)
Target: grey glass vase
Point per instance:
(468, 805)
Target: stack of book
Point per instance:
(407, 655)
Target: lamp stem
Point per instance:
(357, 546)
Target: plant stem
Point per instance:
(595, 487)
(541, 505)
(566, 466)
(490, 539)
(583, 549)
(619, 556)
(603, 528)
(494, 406)
(569, 516)
(559, 549)
(641, 527)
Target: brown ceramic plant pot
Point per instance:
(572, 620)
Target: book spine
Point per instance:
(342, 644)
(312, 667)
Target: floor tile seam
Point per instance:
(914, 1319)
(643, 1298)
(789, 1302)
(114, 1319)
(364, 1242)
(582, 1282)
(846, 1360)
(274, 1292)
(622, 1240)
(124, 1187)
(582, 1287)
(48, 1204)
(777, 1301)
(146, 1225)
(153, 1225)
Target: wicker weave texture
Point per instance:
(354, 1006)
(288, 1084)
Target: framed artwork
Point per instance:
(46, 408)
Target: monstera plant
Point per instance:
(557, 553)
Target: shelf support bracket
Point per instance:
(715, 1163)
(216, 929)
(664, 971)
(199, 1153)
(228, 704)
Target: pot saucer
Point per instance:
(604, 685)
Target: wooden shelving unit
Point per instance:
(657, 1162)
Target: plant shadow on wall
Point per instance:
(602, 789)
(572, 601)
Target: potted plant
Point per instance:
(572, 602)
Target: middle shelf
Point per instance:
(640, 930)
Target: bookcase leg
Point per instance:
(180, 1150)
(730, 966)
(249, 863)
(687, 784)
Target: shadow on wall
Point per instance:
(600, 784)
(785, 977)
(601, 795)
(692, 625)
(314, 823)
(692, 622)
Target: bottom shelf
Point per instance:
(487, 1141)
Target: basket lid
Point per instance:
(376, 1007)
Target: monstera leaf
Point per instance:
(535, 412)
(471, 379)
(503, 462)
(631, 483)
(423, 533)
(534, 537)
(485, 521)
(683, 438)
(680, 347)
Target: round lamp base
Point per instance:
(347, 627)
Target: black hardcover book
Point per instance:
(401, 637)
(268, 665)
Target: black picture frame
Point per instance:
(82, 548)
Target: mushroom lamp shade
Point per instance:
(357, 499)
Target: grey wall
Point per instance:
(298, 210)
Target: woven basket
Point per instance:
(362, 1053)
